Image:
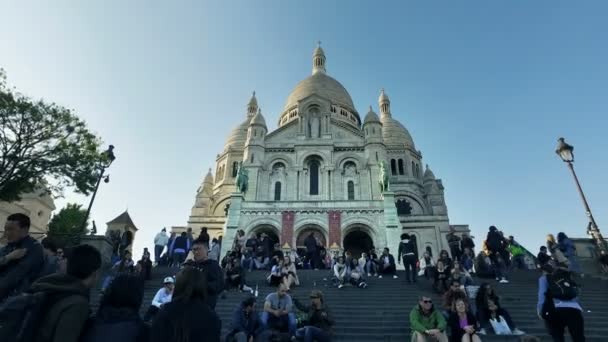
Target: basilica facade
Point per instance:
(319, 172)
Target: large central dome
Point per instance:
(322, 85)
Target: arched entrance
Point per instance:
(270, 231)
(357, 242)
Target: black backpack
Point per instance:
(21, 315)
(561, 285)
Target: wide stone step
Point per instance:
(381, 312)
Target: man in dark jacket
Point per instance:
(181, 246)
(68, 296)
(454, 243)
(246, 324)
(311, 249)
(211, 268)
(319, 326)
(21, 260)
(407, 250)
(467, 242)
(387, 264)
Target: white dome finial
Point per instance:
(384, 103)
(252, 106)
(318, 59)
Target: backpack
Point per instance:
(561, 285)
(21, 315)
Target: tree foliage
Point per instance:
(43, 143)
(67, 225)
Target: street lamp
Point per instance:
(107, 157)
(565, 152)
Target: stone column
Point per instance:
(232, 222)
(287, 222)
(335, 229)
(392, 226)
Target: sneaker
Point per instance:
(504, 281)
(395, 276)
(518, 332)
(482, 331)
(369, 275)
(380, 277)
(497, 279)
(340, 286)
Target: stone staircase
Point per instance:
(381, 312)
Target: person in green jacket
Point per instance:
(427, 324)
(517, 254)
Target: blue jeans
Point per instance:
(158, 250)
(310, 334)
(269, 321)
(247, 263)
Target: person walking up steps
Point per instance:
(160, 242)
(407, 251)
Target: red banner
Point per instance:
(335, 228)
(287, 222)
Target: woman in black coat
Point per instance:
(187, 318)
(118, 319)
(462, 323)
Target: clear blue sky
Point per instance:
(485, 88)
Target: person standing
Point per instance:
(21, 260)
(467, 242)
(203, 235)
(407, 250)
(558, 304)
(187, 317)
(566, 246)
(454, 243)
(496, 248)
(311, 249)
(181, 246)
(160, 242)
(211, 268)
(517, 254)
(214, 250)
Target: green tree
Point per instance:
(43, 143)
(66, 226)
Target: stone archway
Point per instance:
(303, 233)
(357, 242)
(268, 230)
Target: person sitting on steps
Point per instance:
(387, 264)
(340, 272)
(319, 326)
(162, 297)
(463, 324)
(452, 295)
(289, 274)
(488, 307)
(426, 323)
(278, 311)
(235, 276)
(442, 275)
(426, 266)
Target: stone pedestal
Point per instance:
(232, 222)
(102, 244)
(391, 224)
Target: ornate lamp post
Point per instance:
(565, 152)
(107, 157)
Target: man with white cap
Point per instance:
(162, 297)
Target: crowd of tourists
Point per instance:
(44, 289)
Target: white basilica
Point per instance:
(319, 172)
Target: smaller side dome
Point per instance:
(258, 119)
(371, 117)
(428, 174)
